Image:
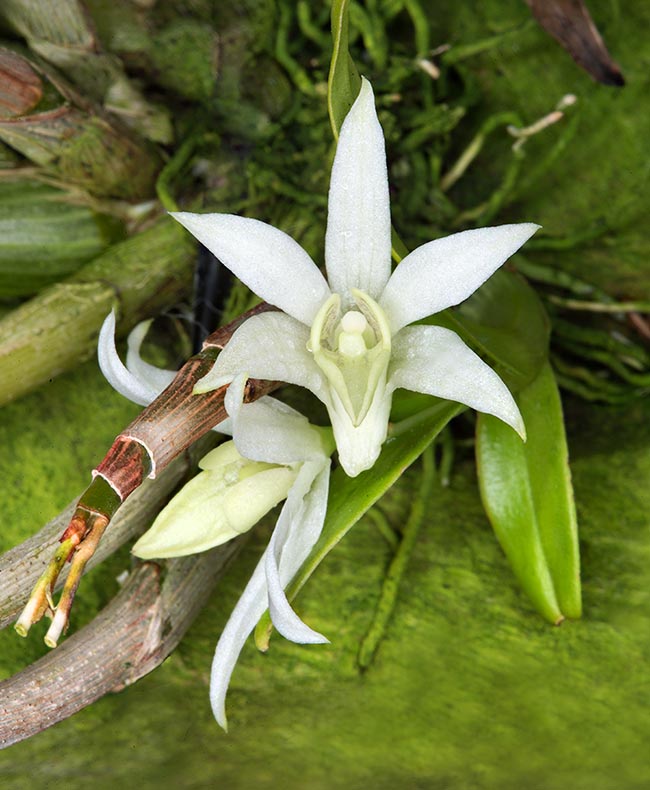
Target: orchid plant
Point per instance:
(348, 341)
(352, 339)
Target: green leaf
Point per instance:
(351, 497)
(344, 81)
(528, 496)
(505, 322)
(44, 237)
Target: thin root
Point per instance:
(78, 544)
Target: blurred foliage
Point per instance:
(43, 238)
(451, 84)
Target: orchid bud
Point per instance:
(223, 501)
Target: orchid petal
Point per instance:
(298, 528)
(359, 445)
(268, 430)
(446, 271)
(250, 607)
(268, 261)
(357, 242)
(270, 346)
(435, 361)
(118, 376)
(158, 378)
(253, 603)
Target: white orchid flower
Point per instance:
(275, 454)
(349, 341)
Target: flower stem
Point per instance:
(397, 567)
(474, 148)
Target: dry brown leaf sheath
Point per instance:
(570, 23)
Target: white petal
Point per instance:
(270, 431)
(126, 383)
(435, 360)
(268, 261)
(359, 446)
(270, 346)
(295, 534)
(234, 398)
(250, 607)
(357, 242)
(446, 271)
(158, 378)
(255, 598)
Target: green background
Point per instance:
(469, 689)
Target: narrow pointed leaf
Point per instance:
(527, 494)
(344, 81)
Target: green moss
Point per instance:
(185, 59)
(469, 689)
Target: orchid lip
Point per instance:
(352, 350)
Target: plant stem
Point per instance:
(21, 566)
(127, 640)
(58, 329)
(470, 153)
(397, 567)
(167, 427)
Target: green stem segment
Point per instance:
(58, 329)
(397, 567)
(41, 599)
(97, 524)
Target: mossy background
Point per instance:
(470, 689)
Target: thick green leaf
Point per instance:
(44, 237)
(344, 81)
(528, 496)
(351, 497)
(505, 322)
